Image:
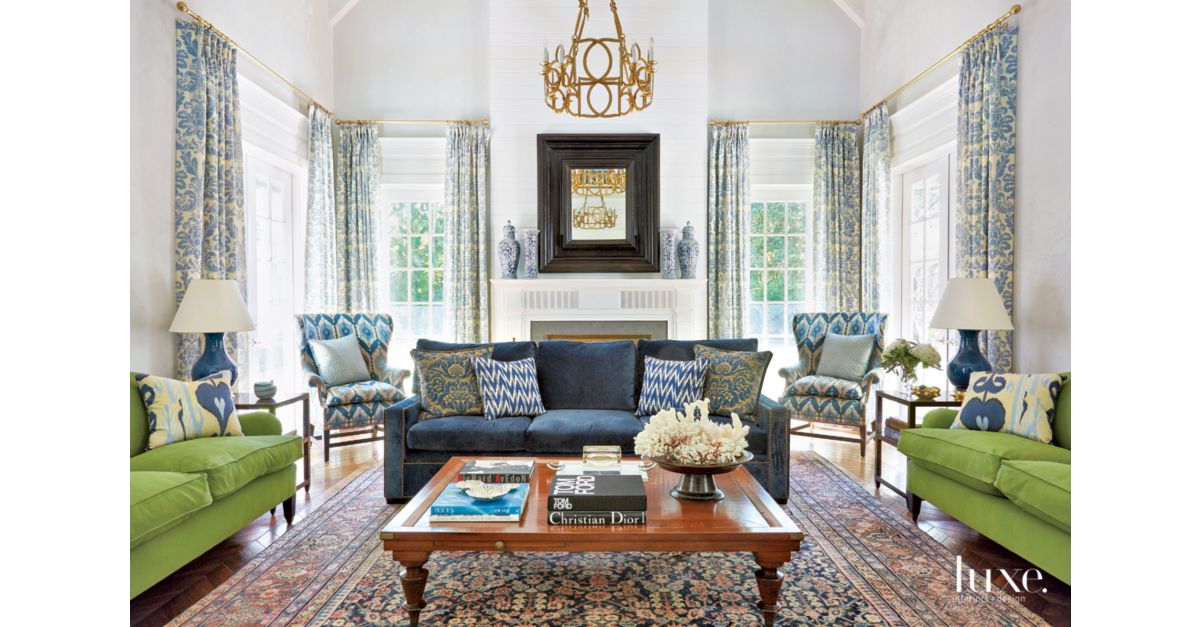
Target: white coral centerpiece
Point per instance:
(691, 438)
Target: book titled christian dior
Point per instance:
(597, 500)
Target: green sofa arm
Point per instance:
(260, 423)
(939, 418)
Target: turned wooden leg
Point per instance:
(273, 510)
(327, 446)
(769, 584)
(413, 581)
(914, 505)
(862, 438)
(289, 509)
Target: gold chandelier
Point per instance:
(593, 185)
(575, 86)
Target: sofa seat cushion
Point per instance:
(569, 430)
(586, 375)
(362, 392)
(473, 434)
(161, 500)
(973, 458)
(756, 440)
(1040, 488)
(816, 385)
(228, 463)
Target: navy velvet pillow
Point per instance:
(501, 351)
(586, 375)
(683, 350)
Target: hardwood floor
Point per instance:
(176, 593)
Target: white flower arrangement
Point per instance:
(691, 438)
(902, 357)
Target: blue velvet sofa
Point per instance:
(590, 391)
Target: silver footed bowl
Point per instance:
(702, 469)
(696, 481)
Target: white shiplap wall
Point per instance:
(679, 113)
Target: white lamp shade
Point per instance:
(212, 306)
(972, 304)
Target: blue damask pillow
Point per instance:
(670, 385)
(509, 388)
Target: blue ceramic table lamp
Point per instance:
(971, 306)
(212, 307)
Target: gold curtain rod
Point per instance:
(1016, 8)
(183, 8)
(483, 122)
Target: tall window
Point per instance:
(416, 243)
(925, 250)
(780, 265)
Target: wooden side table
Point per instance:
(250, 402)
(889, 430)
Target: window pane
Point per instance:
(775, 211)
(437, 287)
(400, 318)
(420, 251)
(756, 252)
(439, 217)
(775, 252)
(795, 252)
(420, 218)
(774, 285)
(420, 320)
(754, 321)
(399, 252)
(917, 208)
(756, 285)
(437, 320)
(775, 319)
(796, 217)
(400, 287)
(420, 286)
(439, 252)
(400, 217)
(796, 285)
(756, 217)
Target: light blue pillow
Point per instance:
(508, 388)
(670, 385)
(339, 361)
(845, 356)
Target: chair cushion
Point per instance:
(448, 385)
(183, 410)
(339, 360)
(362, 392)
(973, 458)
(682, 350)
(569, 430)
(586, 375)
(508, 388)
(816, 385)
(228, 463)
(1040, 488)
(161, 500)
(845, 356)
(469, 434)
(734, 380)
(1022, 404)
(670, 385)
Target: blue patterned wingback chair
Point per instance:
(356, 409)
(816, 399)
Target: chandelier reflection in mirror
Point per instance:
(599, 77)
(593, 185)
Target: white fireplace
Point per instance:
(518, 303)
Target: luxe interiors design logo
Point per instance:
(1017, 581)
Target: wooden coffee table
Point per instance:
(748, 519)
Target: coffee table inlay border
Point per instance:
(748, 520)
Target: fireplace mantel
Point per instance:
(518, 302)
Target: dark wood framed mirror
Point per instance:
(598, 200)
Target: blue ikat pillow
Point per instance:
(670, 385)
(509, 388)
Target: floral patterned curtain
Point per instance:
(987, 168)
(468, 156)
(357, 211)
(210, 220)
(876, 207)
(320, 249)
(837, 214)
(728, 210)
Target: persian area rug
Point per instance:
(861, 563)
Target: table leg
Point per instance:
(307, 446)
(413, 581)
(878, 439)
(769, 584)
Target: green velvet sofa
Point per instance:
(186, 497)
(1011, 489)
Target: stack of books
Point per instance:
(603, 499)
(497, 471)
(455, 505)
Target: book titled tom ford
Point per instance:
(597, 518)
(597, 493)
(497, 471)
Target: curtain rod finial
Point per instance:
(1016, 8)
(182, 6)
